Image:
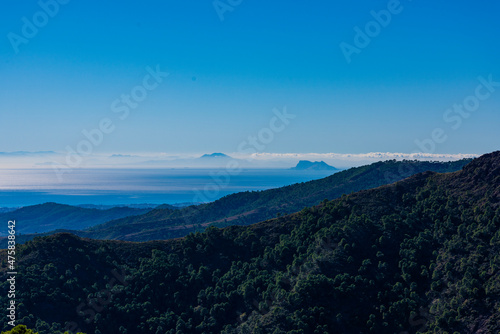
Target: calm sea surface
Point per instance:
(134, 186)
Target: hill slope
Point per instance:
(316, 165)
(51, 216)
(418, 255)
(251, 207)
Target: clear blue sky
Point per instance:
(227, 76)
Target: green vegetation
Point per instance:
(418, 255)
(51, 216)
(22, 329)
(251, 207)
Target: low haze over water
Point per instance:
(135, 186)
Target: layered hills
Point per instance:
(167, 222)
(254, 206)
(51, 216)
(421, 254)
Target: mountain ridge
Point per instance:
(316, 165)
(215, 156)
(49, 216)
(250, 207)
(165, 222)
(370, 261)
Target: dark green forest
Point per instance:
(52, 216)
(22, 329)
(418, 255)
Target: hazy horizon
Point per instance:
(190, 78)
(131, 160)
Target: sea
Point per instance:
(23, 187)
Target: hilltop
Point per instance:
(316, 165)
(167, 222)
(215, 155)
(419, 254)
(51, 216)
(250, 207)
(245, 208)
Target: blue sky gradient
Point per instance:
(226, 77)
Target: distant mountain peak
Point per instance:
(26, 153)
(215, 155)
(316, 165)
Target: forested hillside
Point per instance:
(52, 216)
(247, 208)
(422, 254)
